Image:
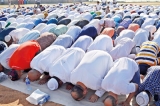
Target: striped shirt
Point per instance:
(148, 54)
(151, 82)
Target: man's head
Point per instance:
(14, 75)
(97, 2)
(110, 101)
(34, 75)
(78, 92)
(143, 98)
(8, 39)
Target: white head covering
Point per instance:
(52, 84)
(142, 99)
(7, 38)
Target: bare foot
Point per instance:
(44, 79)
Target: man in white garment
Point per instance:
(98, 6)
(140, 37)
(122, 49)
(63, 40)
(61, 69)
(83, 42)
(15, 35)
(74, 31)
(41, 63)
(122, 79)
(5, 56)
(96, 23)
(89, 74)
(101, 42)
(107, 22)
(125, 33)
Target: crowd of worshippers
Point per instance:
(87, 48)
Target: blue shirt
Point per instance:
(152, 82)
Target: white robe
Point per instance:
(63, 40)
(119, 76)
(66, 64)
(6, 55)
(102, 42)
(125, 33)
(18, 33)
(74, 31)
(140, 37)
(148, 21)
(95, 23)
(92, 69)
(122, 49)
(46, 58)
(83, 42)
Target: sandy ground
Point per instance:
(10, 97)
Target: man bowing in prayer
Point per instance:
(40, 63)
(122, 79)
(148, 56)
(150, 87)
(21, 58)
(89, 74)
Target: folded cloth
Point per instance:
(38, 97)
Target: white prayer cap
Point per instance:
(101, 22)
(52, 84)
(142, 99)
(7, 38)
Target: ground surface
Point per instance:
(10, 97)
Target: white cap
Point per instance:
(7, 38)
(101, 22)
(142, 99)
(52, 84)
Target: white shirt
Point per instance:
(18, 33)
(98, 7)
(92, 69)
(83, 42)
(148, 21)
(63, 40)
(102, 42)
(87, 16)
(157, 37)
(122, 49)
(74, 31)
(40, 27)
(125, 33)
(46, 58)
(119, 76)
(95, 23)
(6, 55)
(140, 37)
(66, 63)
(48, 27)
